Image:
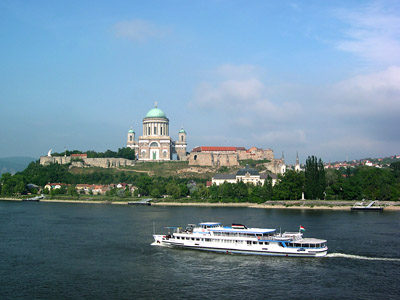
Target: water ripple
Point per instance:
(344, 255)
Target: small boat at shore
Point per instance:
(369, 207)
(238, 239)
(34, 199)
(141, 202)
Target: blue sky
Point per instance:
(318, 77)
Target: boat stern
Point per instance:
(158, 240)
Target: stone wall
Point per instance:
(88, 162)
(228, 159)
(46, 160)
(213, 159)
(274, 166)
(256, 154)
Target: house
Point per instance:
(86, 188)
(246, 175)
(54, 186)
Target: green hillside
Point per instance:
(179, 169)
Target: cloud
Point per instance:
(243, 97)
(138, 30)
(356, 117)
(238, 105)
(290, 136)
(374, 33)
(369, 95)
(363, 113)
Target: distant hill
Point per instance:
(14, 164)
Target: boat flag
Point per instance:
(302, 228)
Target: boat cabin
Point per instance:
(307, 243)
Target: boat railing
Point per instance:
(372, 203)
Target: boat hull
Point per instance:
(160, 240)
(368, 208)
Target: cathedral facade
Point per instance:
(155, 144)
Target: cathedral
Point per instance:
(155, 144)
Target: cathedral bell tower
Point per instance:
(283, 165)
(297, 167)
(180, 145)
(131, 139)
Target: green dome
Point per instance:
(131, 131)
(155, 113)
(182, 131)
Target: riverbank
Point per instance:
(289, 204)
(307, 204)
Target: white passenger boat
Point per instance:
(212, 236)
(370, 207)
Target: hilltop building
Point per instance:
(230, 157)
(155, 144)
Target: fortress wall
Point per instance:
(226, 160)
(88, 162)
(220, 159)
(200, 159)
(258, 154)
(108, 162)
(46, 160)
(213, 159)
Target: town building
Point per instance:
(155, 144)
(246, 175)
(55, 186)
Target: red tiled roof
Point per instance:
(79, 155)
(208, 148)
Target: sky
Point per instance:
(315, 77)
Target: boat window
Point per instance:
(192, 239)
(260, 243)
(197, 239)
(254, 242)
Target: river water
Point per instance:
(89, 251)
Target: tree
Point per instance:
(375, 183)
(395, 167)
(240, 191)
(289, 186)
(155, 193)
(173, 190)
(315, 184)
(71, 190)
(19, 188)
(127, 153)
(267, 189)
(127, 192)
